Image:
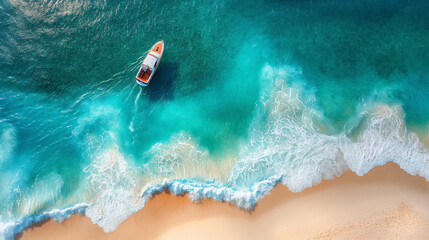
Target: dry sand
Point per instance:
(386, 203)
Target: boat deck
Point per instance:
(144, 75)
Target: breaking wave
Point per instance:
(8, 230)
(287, 144)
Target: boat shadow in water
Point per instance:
(162, 85)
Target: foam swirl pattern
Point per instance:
(249, 94)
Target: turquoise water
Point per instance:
(249, 94)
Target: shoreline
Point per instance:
(346, 206)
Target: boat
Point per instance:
(150, 64)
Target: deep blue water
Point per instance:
(249, 94)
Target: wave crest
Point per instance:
(285, 142)
(385, 138)
(112, 183)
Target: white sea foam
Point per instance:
(284, 142)
(179, 158)
(287, 144)
(182, 157)
(117, 188)
(8, 230)
(112, 183)
(385, 138)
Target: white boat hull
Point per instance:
(150, 64)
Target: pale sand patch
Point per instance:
(402, 222)
(386, 203)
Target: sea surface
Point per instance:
(248, 95)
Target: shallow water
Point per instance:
(249, 94)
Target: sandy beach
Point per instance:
(386, 203)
